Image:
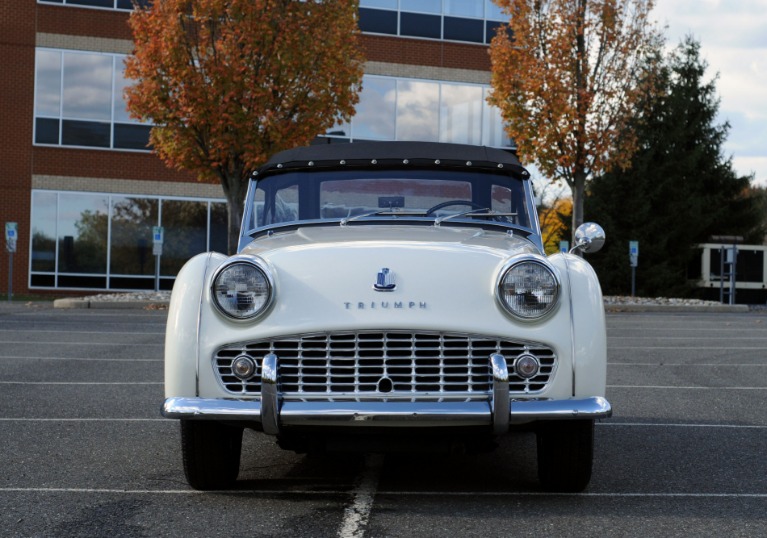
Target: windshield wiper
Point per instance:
(482, 212)
(396, 212)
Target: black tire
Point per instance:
(211, 452)
(565, 455)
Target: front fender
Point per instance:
(589, 335)
(182, 330)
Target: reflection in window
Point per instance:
(132, 222)
(44, 231)
(423, 6)
(186, 233)
(219, 229)
(77, 104)
(83, 221)
(425, 111)
(72, 232)
(374, 119)
(464, 8)
(87, 87)
(417, 110)
(461, 114)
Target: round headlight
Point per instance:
(528, 289)
(242, 289)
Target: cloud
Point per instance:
(734, 44)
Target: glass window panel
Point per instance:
(378, 21)
(464, 29)
(465, 8)
(493, 133)
(82, 232)
(386, 4)
(131, 246)
(46, 131)
(491, 27)
(42, 281)
(48, 88)
(375, 115)
(44, 231)
(128, 4)
(185, 225)
(218, 227)
(417, 110)
(461, 114)
(493, 12)
(120, 111)
(417, 25)
(93, 3)
(87, 86)
(422, 6)
(132, 136)
(85, 133)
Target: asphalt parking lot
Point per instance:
(84, 452)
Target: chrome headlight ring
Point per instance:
(528, 288)
(242, 288)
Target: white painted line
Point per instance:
(109, 333)
(677, 425)
(38, 358)
(682, 364)
(705, 348)
(357, 514)
(18, 419)
(696, 338)
(682, 388)
(317, 492)
(39, 343)
(80, 383)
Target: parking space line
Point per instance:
(320, 492)
(81, 382)
(38, 358)
(357, 514)
(22, 419)
(39, 343)
(110, 333)
(682, 364)
(663, 387)
(682, 425)
(705, 348)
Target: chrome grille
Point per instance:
(391, 364)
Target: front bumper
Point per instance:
(497, 412)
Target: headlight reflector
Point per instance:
(242, 289)
(528, 289)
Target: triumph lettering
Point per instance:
(397, 305)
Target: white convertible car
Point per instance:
(388, 294)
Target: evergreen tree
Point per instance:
(679, 190)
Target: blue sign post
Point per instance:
(11, 235)
(634, 261)
(158, 234)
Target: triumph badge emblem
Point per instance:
(385, 280)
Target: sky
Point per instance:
(733, 39)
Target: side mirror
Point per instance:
(589, 237)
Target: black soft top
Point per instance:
(391, 155)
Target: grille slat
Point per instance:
(390, 364)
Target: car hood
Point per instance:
(376, 237)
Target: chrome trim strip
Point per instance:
(524, 411)
(392, 414)
(270, 403)
(500, 403)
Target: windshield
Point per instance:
(430, 195)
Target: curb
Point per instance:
(118, 305)
(612, 308)
(718, 308)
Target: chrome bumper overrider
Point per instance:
(499, 412)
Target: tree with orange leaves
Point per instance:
(227, 83)
(567, 75)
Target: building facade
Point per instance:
(85, 192)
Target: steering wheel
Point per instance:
(452, 202)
